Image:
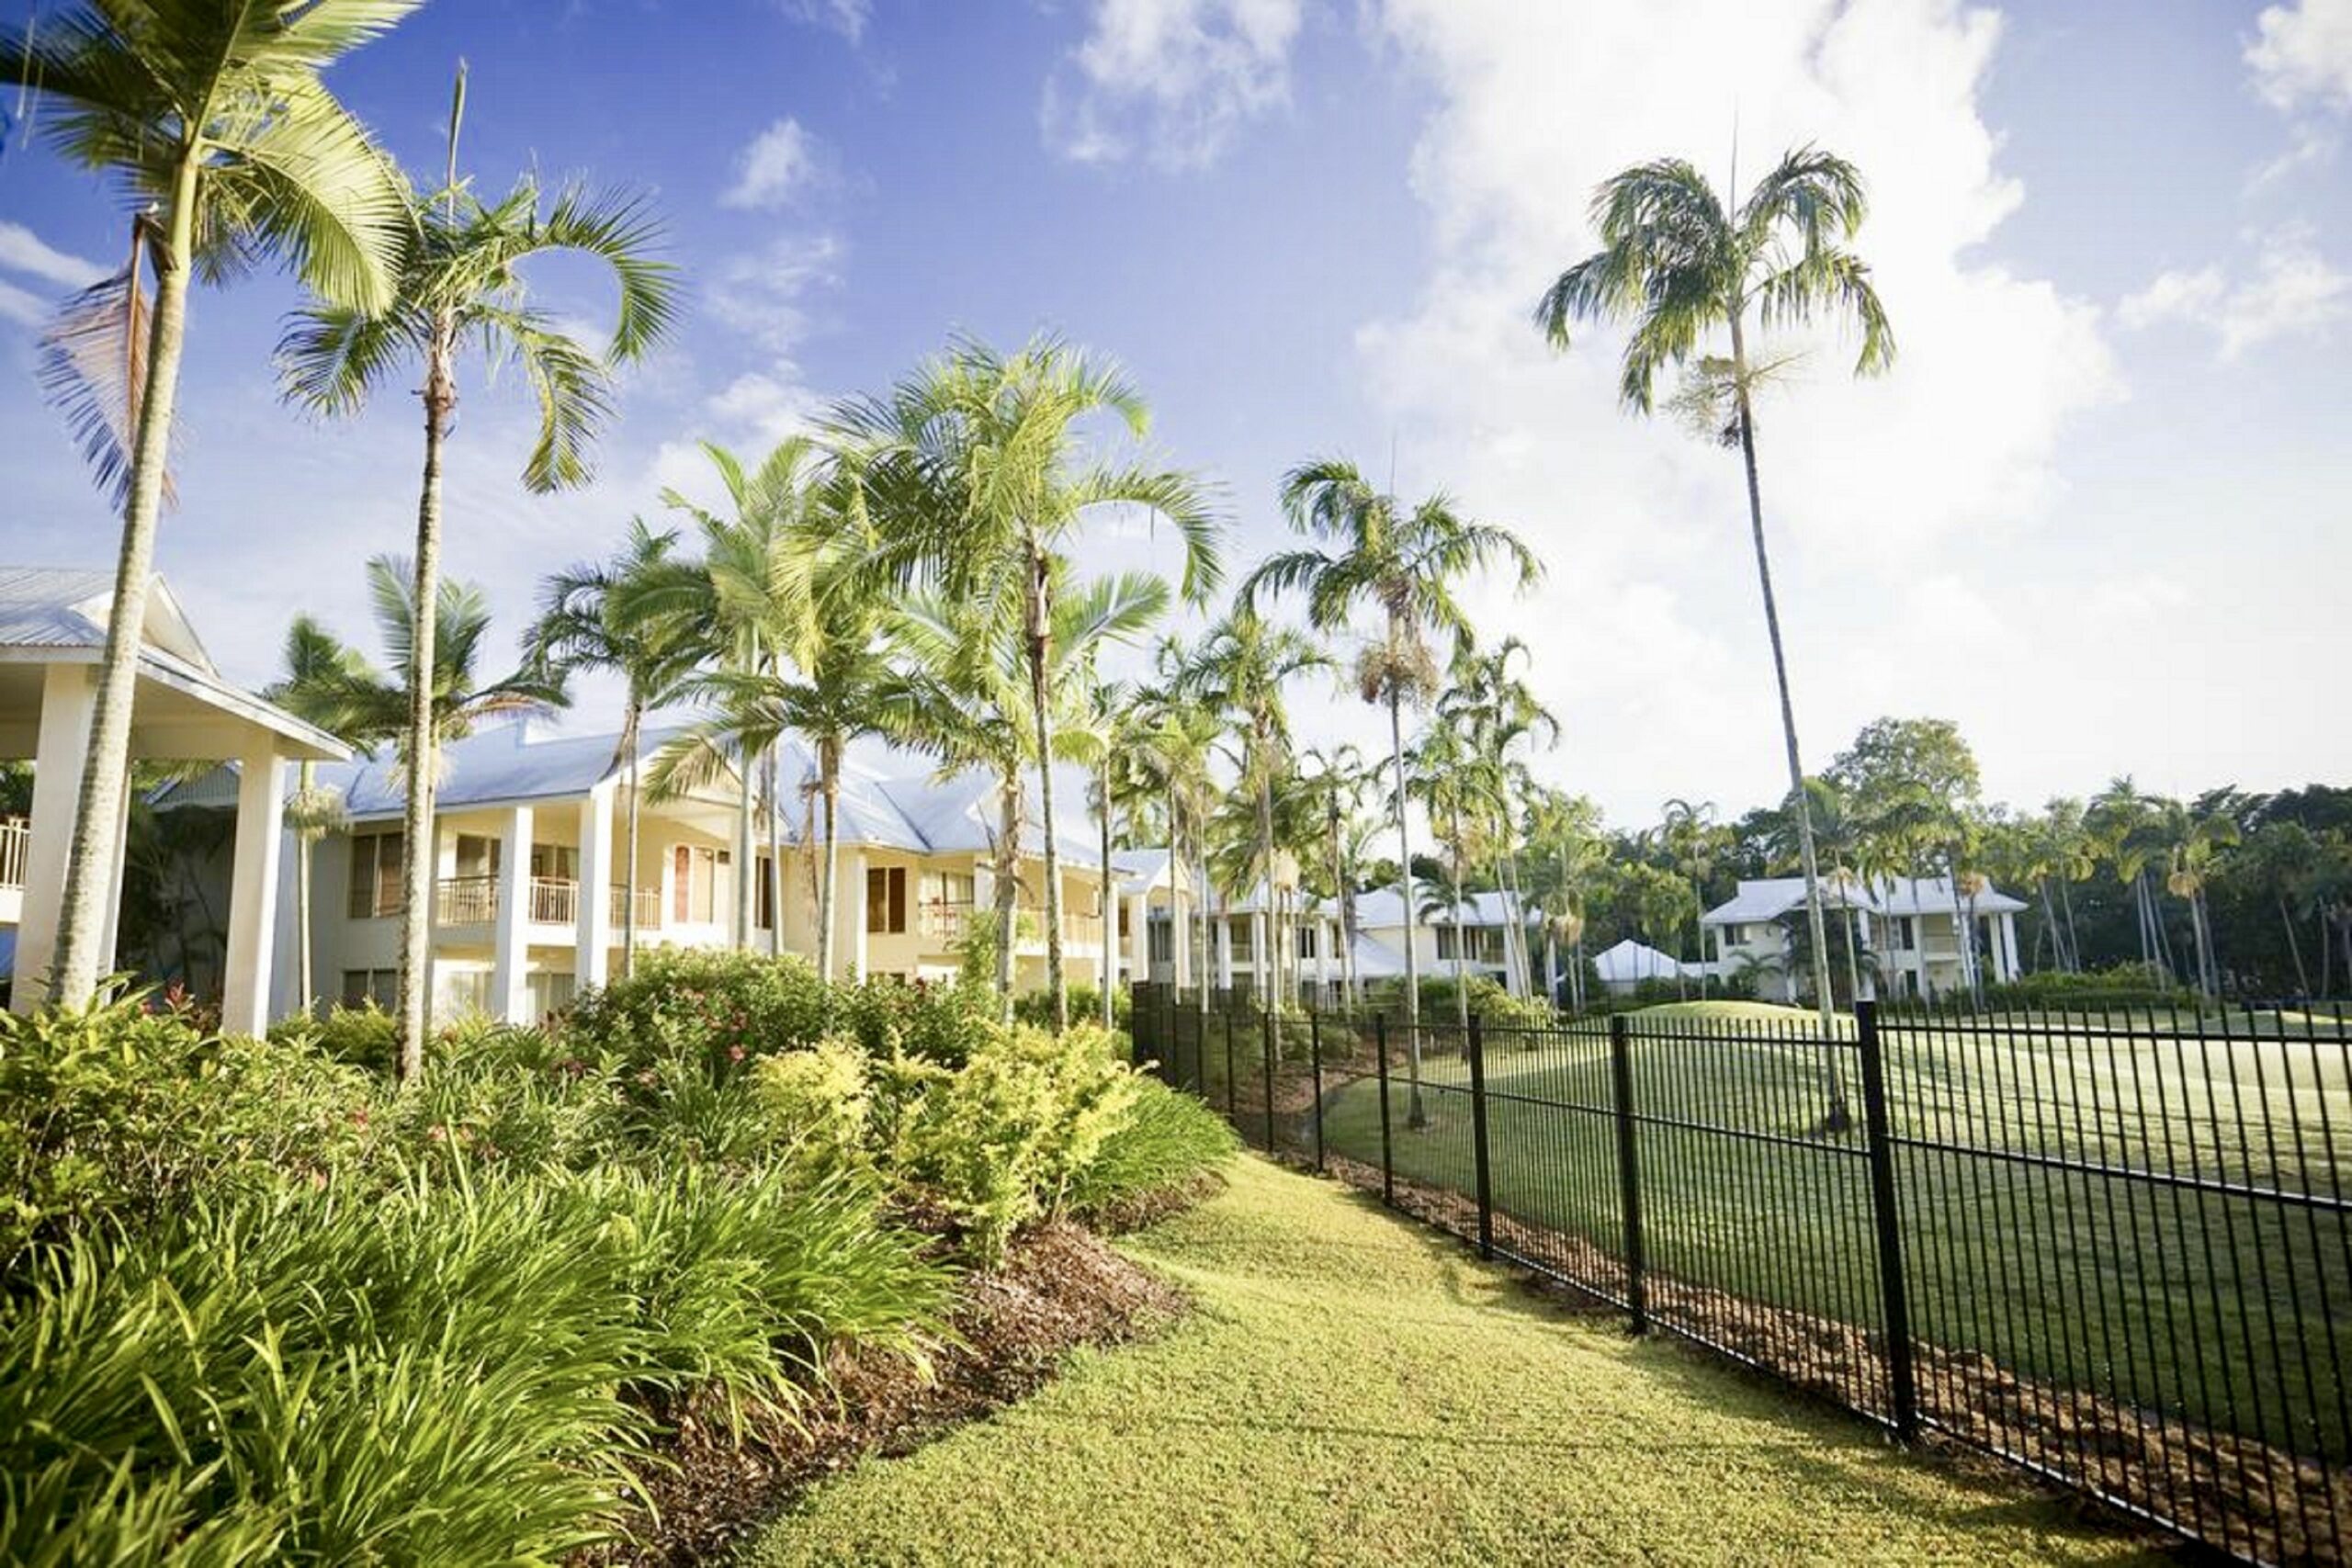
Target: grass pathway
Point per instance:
(1355, 1390)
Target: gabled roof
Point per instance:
(58, 614)
(1381, 909)
(1631, 961)
(1769, 898)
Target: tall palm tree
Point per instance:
(1403, 564)
(1687, 834)
(585, 623)
(325, 684)
(1502, 714)
(2125, 823)
(1175, 748)
(977, 480)
(1339, 781)
(2193, 841)
(1239, 671)
(741, 603)
(1569, 859)
(975, 694)
(1679, 261)
(215, 122)
(460, 286)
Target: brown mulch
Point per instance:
(2242, 1495)
(1059, 1288)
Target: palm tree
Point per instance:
(1239, 671)
(232, 149)
(2193, 841)
(460, 286)
(322, 684)
(976, 481)
(1501, 711)
(2279, 858)
(2125, 823)
(1339, 783)
(1678, 262)
(1687, 834)
(1569, 859)
(1176, 744)
(584, 624)
(1404, 564)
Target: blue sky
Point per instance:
(2099, 514)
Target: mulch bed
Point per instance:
(2245, 1495)
(1060, 1288)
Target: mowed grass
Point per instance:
(2215, 1305)
(1353, 1389)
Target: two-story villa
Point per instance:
(1912, 926)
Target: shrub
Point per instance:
(1490, 1003)
(365, 1036)
(1085, 1007)
(114, 1112)
(713, 1009)
(1001, 1141)
(2124, 985)
(1167, 1138)
(819, 1103)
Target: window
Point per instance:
(381, 986)
(700, 882)
(477, 855)
(885, 901)
(765, 897)
(555, 862)
(1308, 937)
(948, 887)
(1161, 935)
(375, 874)
(1446, 942)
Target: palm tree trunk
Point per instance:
(2074, 960)
(2294, 948)
(1416, 1114)
(1339, 906)
(1039, 612)
(1271, 963)
(632, 740)
(747, 839)
(1461, 934)
(1106, 966)
(1853, 959)
(776, 859)
(829, 787)
(305, 841)
(105, 767)
(420, 856)
(1007, 887)
(1838, 1118)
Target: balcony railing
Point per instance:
(554, 901)
(16, 844)
(550, 900)
(465, 900)
(649, 907)
(947, 925)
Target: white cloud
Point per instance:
(2293, 290)
(2301, 54)
(1173, 78)
(777, 166)
(846, 18)
(22, 305)
(23, 251)
(1652, 636)
(761, 294)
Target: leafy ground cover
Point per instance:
(1350, 1389)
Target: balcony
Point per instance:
(16, 844)
(944, 927)
(548, 901)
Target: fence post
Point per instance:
(1380, 1058)
(1314, 1064)
(1232, 1085)
(1893, 1295)
(1629, 1180)
(1478, 1138)
(1271, 1028)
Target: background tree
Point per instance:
(1680, 262)
(1404, 565)
(585, 624)
(460, 286)
(980, 479)
(231, 148)
(324, 684)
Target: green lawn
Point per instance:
(1353, 1389)
(2206, 1303)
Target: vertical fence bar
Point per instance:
(1232, 1105)
(1629, 1180)
(1315, 1061)
(1387, 1159)
(1478, 1139)
(1894, 1300)
(1270, 1026)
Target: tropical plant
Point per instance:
(213, 118)
(2194, 839)
(460, 286)
(584, 624)
(1679, 261)
(1502, 714)
(1405, 564)
(978, 480)
(322, 684)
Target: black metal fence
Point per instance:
(2115, 1250)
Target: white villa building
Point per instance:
(1911, 924)
(52, 632)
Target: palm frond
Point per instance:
(93, 368)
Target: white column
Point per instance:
(1139, 935)
(510, 995)
(854, 907)
(1221, 929)
(1179, 931)
(594, 909)
(66, 700)
(252, 891)
(2005, 948)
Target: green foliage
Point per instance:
(116, 1111)
(1003, 1140)
(1085, 1007)
(820, 1098)
(1167, 1138)
(1490, 1002)
(365, 1036)
(2123, 985)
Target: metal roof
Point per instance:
(1769, 898)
